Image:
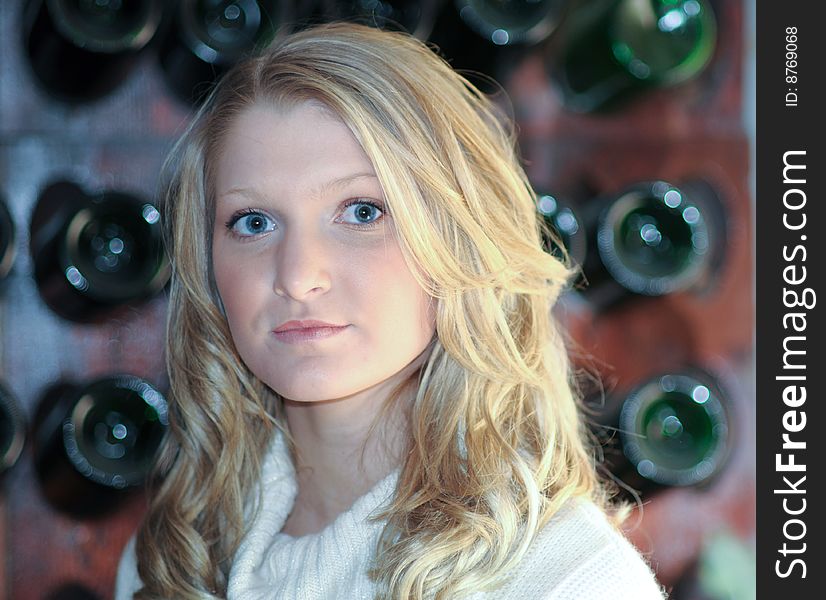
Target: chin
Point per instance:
(311, 394)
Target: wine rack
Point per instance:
(690, 132)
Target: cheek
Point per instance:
(403, 307)
(426, 317)
(236, 287)
(224, 279)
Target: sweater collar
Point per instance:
(271, 564)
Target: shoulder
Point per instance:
(579, 554)
(127, 581)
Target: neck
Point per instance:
(339, 457)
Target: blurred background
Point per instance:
(636, 127)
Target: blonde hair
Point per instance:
(496, 442)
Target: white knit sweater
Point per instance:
(577, 556)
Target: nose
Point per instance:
(302, 266)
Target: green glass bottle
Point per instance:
(7, 240)
(94, 442)
(12, 429)
(651, 239)
(484, 39)
(416, 18)
(674, 429)
(632, 45)
(96, 253)
(207, 37)
(503, 22)
(82, 50)
(566, 229)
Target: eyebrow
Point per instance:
(333, 184)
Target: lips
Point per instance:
(308, 324)
(301, 332)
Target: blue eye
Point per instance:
(250, 224)
(363, 212)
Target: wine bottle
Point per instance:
(206, 37)
(477, 58)
(649, 239)
(95, 254)
(673, 429)
(504, 22)
(81, 50)
(566, 227)
(416, 18)
(12, 430)
(7, 240)
(95, 441)
(72, 591)
(619, 48)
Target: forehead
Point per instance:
(270, 145)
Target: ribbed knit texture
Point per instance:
(577, 556)
(328, 564)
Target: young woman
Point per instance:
(369, 395)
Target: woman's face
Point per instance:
(301, 234)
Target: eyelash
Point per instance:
(378, 206)
(230, 224)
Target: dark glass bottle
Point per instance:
(650, 239)
(206, 37)
(504, 22)
(81, 50)
(95, 442)
(673, 429)
(72, 591)
(488, 37)
(692, 583)
(12, 429)
(95, 254)
(566, 225)
(7, 240)
(415, 18)
(618, 48)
